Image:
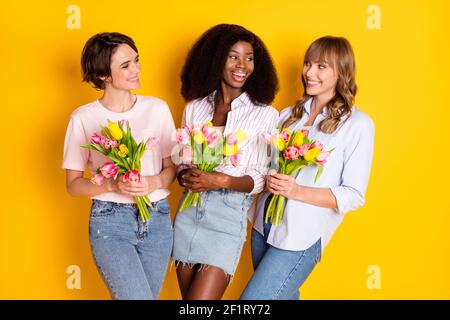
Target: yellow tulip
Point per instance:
(240, 135)
(115, 131)
(298, 139)
(123, 151)
(230, 150)
(279, 143)
(311, 154)
(199, 137)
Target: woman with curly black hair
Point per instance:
(228, 79)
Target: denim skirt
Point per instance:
(213, 234)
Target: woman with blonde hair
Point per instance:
(285, 254)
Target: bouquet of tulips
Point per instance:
(295, 151)
(206, 148)
(117, 143)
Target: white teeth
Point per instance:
(239, 74)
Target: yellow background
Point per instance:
(402, 73)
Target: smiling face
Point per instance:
(125, 69)
(239, 65)
(320, 79)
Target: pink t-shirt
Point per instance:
(149, 117)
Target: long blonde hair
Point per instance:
(338, 52)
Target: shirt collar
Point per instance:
(242, 100)
(307, 108)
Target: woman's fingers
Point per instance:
(187, 178)
(134, 188)
(273, 191)
(280, 176)
(193, 179)
(276, 184)
(197, 189)
(195, 172)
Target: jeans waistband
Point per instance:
(127, 205)
(227, 191)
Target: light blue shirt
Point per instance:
(346, 173)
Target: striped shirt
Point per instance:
(248, 117)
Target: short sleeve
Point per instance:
(75, 157)
(168, 133)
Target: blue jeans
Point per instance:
(278, 273)
(131, 256)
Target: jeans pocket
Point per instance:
(234, 200)
(102, 208)
(163, 206)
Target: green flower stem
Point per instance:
(271, 209)
(280, 209)
(147, 201)
(143, 212)
(187, 202)
(190, 199)
(275, 209)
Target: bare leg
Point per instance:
(209, 283)
(185, 274)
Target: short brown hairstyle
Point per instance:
(96, 56)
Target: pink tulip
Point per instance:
(305, 132)
(109, 169)
(231, 139)
(98, 179)
(124, 124)
(113, 143)
(151, 142)
(267, 137)
(187, 155)
(317, 144)
(103, 141)
(212, 139)
(235, 160)
(107, 144)
(183, 136)
(285, 135)
(291, 153)
(207, 130)
(322, 157)
(95, 139)
(196, 129)
(132, 176)
(303, 149)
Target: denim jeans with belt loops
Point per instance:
(132, 256)
(278, 273)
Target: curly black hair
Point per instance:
(203, 70)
